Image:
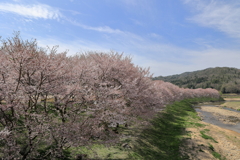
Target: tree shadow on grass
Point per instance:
(162, 139)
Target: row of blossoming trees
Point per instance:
(49, 101)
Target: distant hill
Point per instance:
(224, 79)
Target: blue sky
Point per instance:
(169, 36)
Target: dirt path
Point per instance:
(225, 142)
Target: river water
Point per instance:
(209, 118)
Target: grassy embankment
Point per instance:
(232, 101)
(161, 140)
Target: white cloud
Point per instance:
(105, 29)
(31, 11)
(217, 57)
(199, 60)
(73, 47)
(222, 15)
(163, 59)
(108, 30)
(155, 36)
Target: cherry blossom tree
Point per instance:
(50, 102)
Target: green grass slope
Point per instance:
(159, 140)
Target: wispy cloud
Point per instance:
(143, 4)
(31, 11)
(105, 29)
(222, 15)
(155, 35)
(73, 47)
(108, 30)
(199, 60)
(164, 59)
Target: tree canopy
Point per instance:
(224, 79)
(50, 102)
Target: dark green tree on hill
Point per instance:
(224, 79)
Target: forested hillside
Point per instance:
(224, 79)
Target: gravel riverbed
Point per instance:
(225, 116)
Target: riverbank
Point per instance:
(170, 136)
(231, 101)
(233, 104)
(196, 140)
(212, 142)
(223, 115)
(176, 133)
(225, 142)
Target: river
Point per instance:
(219, 116)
